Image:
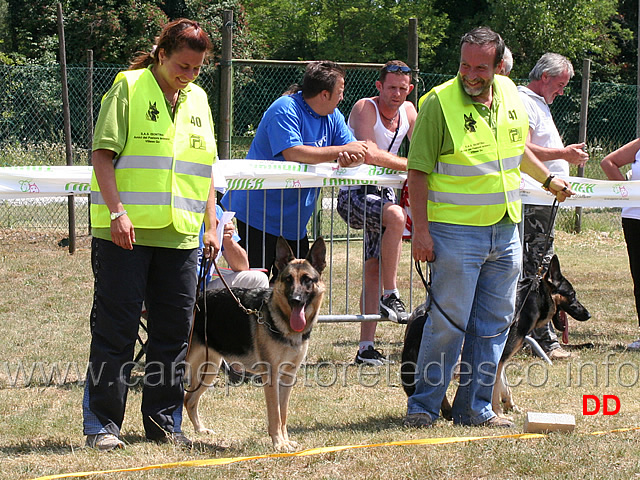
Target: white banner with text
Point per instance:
(48, 181)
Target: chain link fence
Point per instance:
(31, 127)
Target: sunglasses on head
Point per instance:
(396, 68)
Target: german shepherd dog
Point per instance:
(535, 306)
(270, 340)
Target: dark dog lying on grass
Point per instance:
(270, 341)
(535, 306)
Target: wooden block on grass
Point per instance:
(537, 422)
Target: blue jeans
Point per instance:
(474, 280)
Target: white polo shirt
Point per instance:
(543, 131)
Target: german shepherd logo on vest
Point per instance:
(153, 112)
(469, 124)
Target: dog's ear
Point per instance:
(317, 255)
(554, 275)
(284, 254)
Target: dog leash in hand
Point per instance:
(547, 238)
(205, 266)
(248, 311)
(427, 286)
(534, 283)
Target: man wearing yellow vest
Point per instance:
(464, 178)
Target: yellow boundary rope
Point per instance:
(315, 451)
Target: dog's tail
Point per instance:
(412, 339)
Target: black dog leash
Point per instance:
(205, 266)
(534, 283)
(552, 219)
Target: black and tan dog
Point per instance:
(271, 341)
(535, 306)
(547, 301)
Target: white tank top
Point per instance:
(384, 136)
(633, 212)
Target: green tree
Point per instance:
(577, 29)
(114, 29)
(627, 60)
(574, 28)
(209, 14)
(343, 30)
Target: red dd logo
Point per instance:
(594, 401)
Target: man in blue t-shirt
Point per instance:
(303, 126)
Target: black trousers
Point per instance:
(631, 229)
(252, 240)
(537, 222)
(165, 279)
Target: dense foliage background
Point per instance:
(342, 30)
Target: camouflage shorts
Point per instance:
(363, 206)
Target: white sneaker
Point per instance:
(104, 442)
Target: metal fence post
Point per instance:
(67, 126)
(89, 124)
(224, 128)
(582, 133)
(412, 57)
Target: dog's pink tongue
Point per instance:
(565, 332)
(297, 320)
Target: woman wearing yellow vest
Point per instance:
(151, 189)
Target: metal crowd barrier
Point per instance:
(343, 275)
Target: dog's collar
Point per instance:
(265, 319)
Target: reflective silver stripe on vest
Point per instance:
(476, 170)
(512, 162)
(136, 198)
(163, 163)
(141, 161)
(196, 169)
(473, 198)
(189, 204)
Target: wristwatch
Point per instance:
(115, 215)
(545, 185)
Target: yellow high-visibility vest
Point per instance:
(163, 174)
(480, 181)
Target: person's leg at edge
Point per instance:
(631, 229)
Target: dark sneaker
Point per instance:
(175, 438)
(393, 308)
(418, 420)
(497, 422)
(104, 442)
(371, 356)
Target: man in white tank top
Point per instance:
(383, 121)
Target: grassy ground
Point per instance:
(45, 297)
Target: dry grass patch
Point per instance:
(45, 297)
